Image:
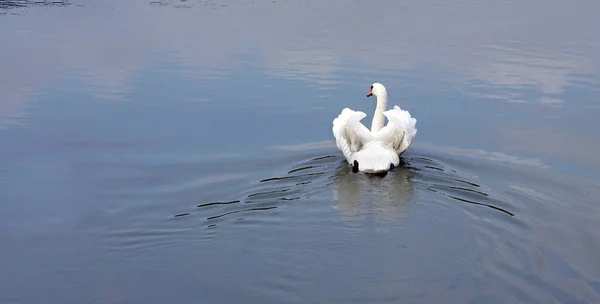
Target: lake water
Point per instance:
(181, 152)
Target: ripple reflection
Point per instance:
(361, 195)
(269, 193)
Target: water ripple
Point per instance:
(269, 192)
(12, 4)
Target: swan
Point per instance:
(377, 150)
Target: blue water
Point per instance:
(181, 151)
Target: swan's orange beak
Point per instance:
(370, 93)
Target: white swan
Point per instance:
(378, 150)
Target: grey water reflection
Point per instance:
(5, 5)
(364, 197)
(171, 151)
(483, 54)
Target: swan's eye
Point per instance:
(371, 88)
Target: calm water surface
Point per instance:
(181, 152)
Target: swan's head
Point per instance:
(377, 89)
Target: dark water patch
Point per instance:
(467, 200)
(481, 204)
(275, 194)
(300, 169)
(217, 203)
(289, 177)
(445, 179)
(465, 182)
(323, 157)
(186, 3)
(238, 211)
(425, 159)
(289, 199)
(421, 161)
(462, 189)
(268, 194)
(182, 214)
(6, 5)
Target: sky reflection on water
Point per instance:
(126, 121)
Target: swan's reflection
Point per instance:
(365, 197)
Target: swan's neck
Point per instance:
(378, 117)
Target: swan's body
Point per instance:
(377, 150)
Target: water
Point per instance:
(181, 151)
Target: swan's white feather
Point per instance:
(400, 130)
(374, 151)
(376, 157)
(350, 134)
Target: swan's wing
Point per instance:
(400, 130)
(350, 134)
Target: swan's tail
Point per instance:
(375, 158)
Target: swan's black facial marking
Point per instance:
(355, 167)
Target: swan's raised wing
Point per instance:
(400, 130)
(350, 134)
